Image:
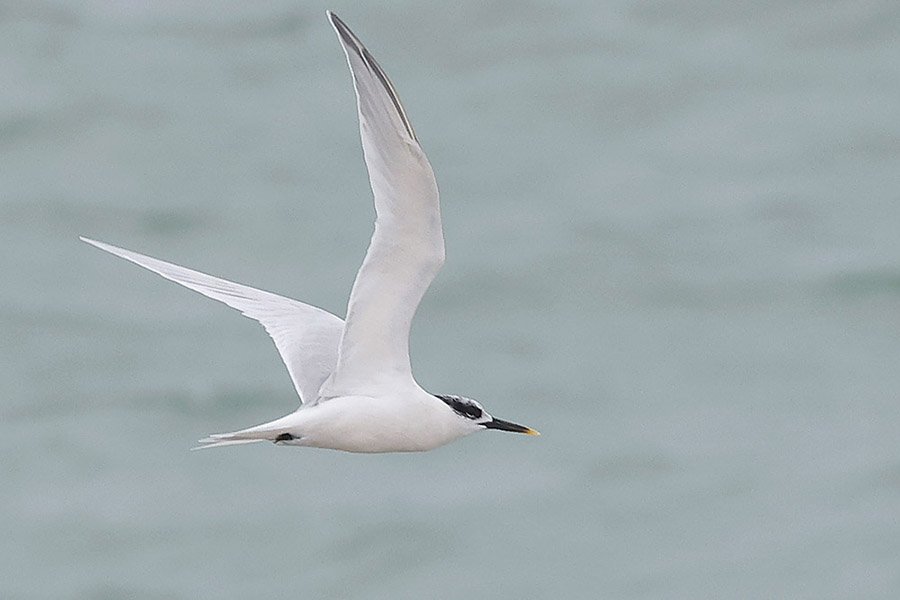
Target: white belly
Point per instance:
(363, 424)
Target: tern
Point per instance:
(353, 376)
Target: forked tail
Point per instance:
(216, 440)
(273, 431)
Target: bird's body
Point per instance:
(353, 376)
(402, 421)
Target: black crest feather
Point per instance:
(462, 406)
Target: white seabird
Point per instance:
(353, 376)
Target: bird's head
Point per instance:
(477, 418)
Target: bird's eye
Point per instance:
(462, 407)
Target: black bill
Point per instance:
(507, 426)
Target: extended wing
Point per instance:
(407, 247)
(306, 337)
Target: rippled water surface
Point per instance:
(672, 238)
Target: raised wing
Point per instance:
(407, 247)
(306, 337)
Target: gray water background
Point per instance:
(673, 239)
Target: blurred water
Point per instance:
(672, 247)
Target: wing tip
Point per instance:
(344, 32)
(349, 41)
(97, 244)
